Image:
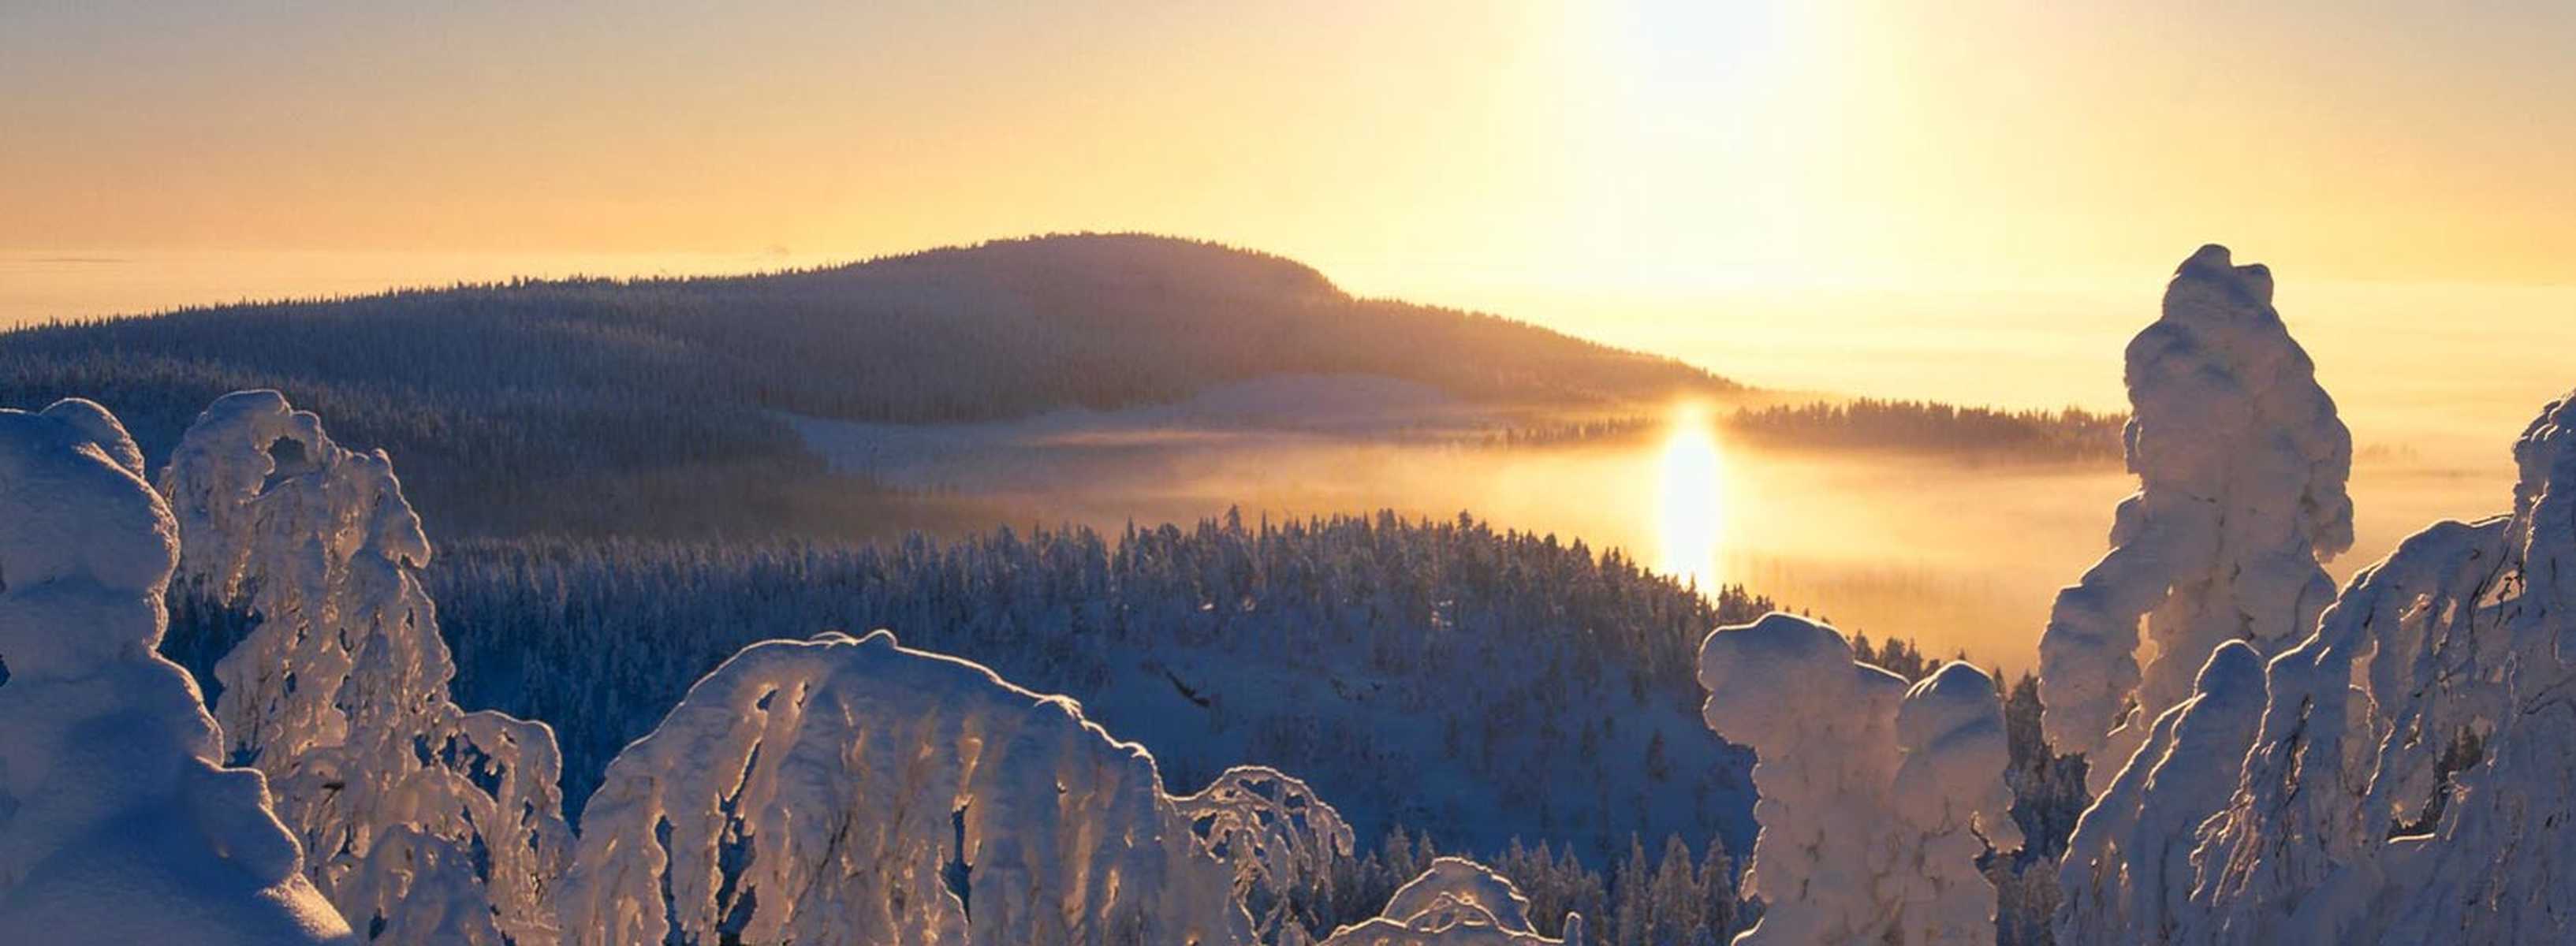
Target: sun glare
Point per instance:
(1690, 496)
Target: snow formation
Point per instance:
(1876, 799)
(117, 822)
(841, 790)
(2127, 875)
(1457, 902)
(1951, 798)
(422, 821)
(2241, 464)
(1281, 839)
(2413, 773)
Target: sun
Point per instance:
(1690, 496)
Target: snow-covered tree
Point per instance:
(117, 822)
(1456, 902)
(1876, 799)
(2357, 817)
(1823, 733)
(2241, 463)
(1308, 645)
(2128, 874)
(1282, 840)
(842, 790)
(1950, 795)
(424, 823)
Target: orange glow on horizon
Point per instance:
(1648, 148)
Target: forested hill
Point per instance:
(493, 394)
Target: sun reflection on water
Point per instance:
(1690, 497)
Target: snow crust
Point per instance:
(1457, 902)
(843, 790)
(1876, 797)
(424, 822)
(2241, 462)
(117, 822)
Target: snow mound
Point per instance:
(1457, 902)
(117, 825)
(841, 790)
(1876, 798)
(2241, 463)
(430, 824)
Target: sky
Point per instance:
(1424, 148)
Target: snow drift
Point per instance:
(422, 821)
(1457, 902)
(844, 790)
(117, 824)
(1876, 798)
(2241, 463)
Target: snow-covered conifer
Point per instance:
(1869, 791)
(1282, 840)
(2241, 463)
(1951, 796)
(841, 790)
(2127, 876)
(421, 821)
(1456, 902)
(2355, 819)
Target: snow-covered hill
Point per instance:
(660, 402)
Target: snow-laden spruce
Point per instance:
(1281, 839)
(1876, 798)
(117, 823)
(1457, 902)
(844, 790)
(422, 821)
(1951, 797)
(2241, 463)
(2127, 875)
(2413, 776)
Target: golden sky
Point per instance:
(1425, 148)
